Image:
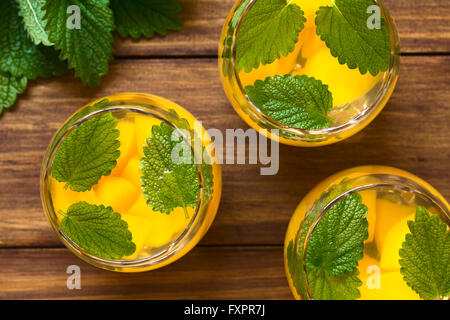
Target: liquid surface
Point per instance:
(352, 92)
(152, 231)
(388, 212)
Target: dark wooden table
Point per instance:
(241, 256)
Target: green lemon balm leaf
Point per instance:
(342, 287)
(335, 247)
(425, 256)
(205, 167)
(208, 180)
(167, 184)
(300, 102)
(344, 28)
(87, 48)
(98, 230)
(89, 152)
(269, 30)
(84, 112)
(33, 18)
(146, 17)
(18, 54)
(296, 262)
(10, 87)
(324, 286)
(337, 243)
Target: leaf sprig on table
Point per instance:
(35, 40)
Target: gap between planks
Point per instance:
(214, 56)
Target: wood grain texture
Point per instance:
(241, 256)
(412, 133)
(422, 25)
(204, 273)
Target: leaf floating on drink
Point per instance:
(98, 230)
(89, 152)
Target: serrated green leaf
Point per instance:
(139, 18)
(88, 49)
(344, 29)
(425, 256)
(88, 152)
(324, 286)
(337, 243)
(205, 167)
(84, 112)
(342, 287)
(166, 184)
(296, 261)
(10, 87)
(33, 18)
(334, 249)
(18, 54)
(269, 30)
(98, 230)
(300, 102)
(208, 180)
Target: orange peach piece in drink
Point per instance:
(63, 198)
(127, 147)
(132, 172)
(392, 243)
(117, 192)
(388, 214)
(143, 128)
(139, 229)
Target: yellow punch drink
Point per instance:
(316, 70)
(123, 186)
(372, 233)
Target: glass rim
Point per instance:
(394, 181)
(387, 87)
(114, 105)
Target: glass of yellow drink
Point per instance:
(143, 227)
(391, 198)
(355, 95)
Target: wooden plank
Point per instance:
(423, 27)
(204, 273)
(203, 21)
(411, 133)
